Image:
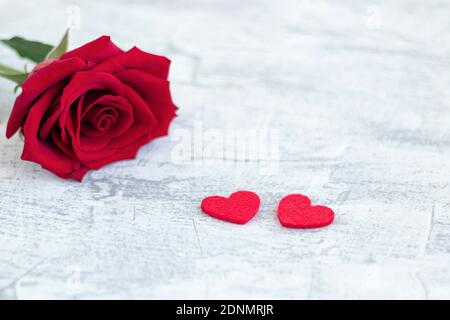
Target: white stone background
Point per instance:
(359, 94)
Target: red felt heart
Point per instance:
(295, 211)
(239, 208)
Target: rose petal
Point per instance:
(156, 93)
(36, 84)
(66, 148)
(144, 121)
(86, 150)
(121, 107)
(88, 144)
(39, 151)
(80, 173)
(81, 83)
(127, 144)
(135, 58)
(127, 153)
(50, 118)
(95, 51)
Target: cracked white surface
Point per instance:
(360, 95)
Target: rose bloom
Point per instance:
(94, 105)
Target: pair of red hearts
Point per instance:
(294, 210)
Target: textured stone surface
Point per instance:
(359, 95)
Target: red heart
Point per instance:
(295, 211)
(239, 208)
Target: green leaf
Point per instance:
(32, 50)
(12, 74)
(61, 48)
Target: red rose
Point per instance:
(94, 105)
